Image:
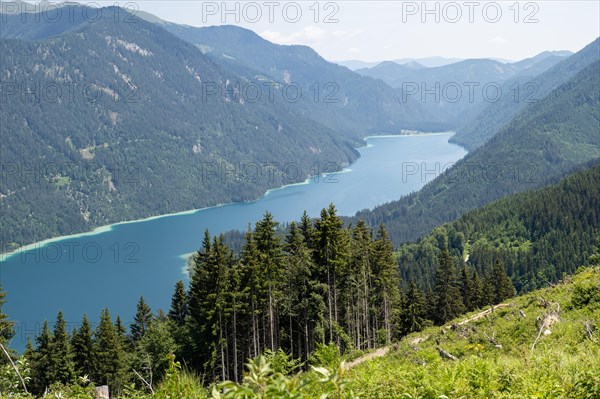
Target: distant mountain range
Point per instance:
(546, 140)
(529, 86)
(429, 62)
(457, 92)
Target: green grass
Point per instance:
(563, 364)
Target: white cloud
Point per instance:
(354, 50)
(344, 34)
(498, 40)
(309, 34)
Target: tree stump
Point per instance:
(101, 392)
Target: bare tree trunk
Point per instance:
(386, 318)
(271, 320)
(235, 349)
(329, 306)
(221, 345)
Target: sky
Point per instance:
(387, 30)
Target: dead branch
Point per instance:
(144, 381)
(445, 355)
(539, 334)
(589, 330)
(492, 340)
(14, 367)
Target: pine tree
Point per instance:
(331, 253)
(594, 259)
(7, 327)
(83, 349)
(270, 254)
(252, 279)
(62, 364)
(110, 359)
(360, 286)
(202, 284)
(476, 298)
(141, 320)
(387, 282)
(41, 362)
(179, 305)
(414, 310)
(296, 302)
(502, 284)
(466, 289)
(448, 300)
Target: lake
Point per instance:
(114, 265)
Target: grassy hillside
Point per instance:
(495, 353)
(545, 344)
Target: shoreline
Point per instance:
(109, 227)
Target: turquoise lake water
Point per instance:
(117, 264)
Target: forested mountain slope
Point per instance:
(543, 143)
(538, 235)
(334, 95)
(520, 92)
(112, 120)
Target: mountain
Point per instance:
(529, 62)
(532, 87)
(429, 62)
(538, 235)
(335, 96)
(458, 92)
(356, 64)
(543, 143)
(111, 121)
(390, 72)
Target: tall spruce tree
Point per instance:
(332, 253)
(414, 310)
(360, 286)
(387, 282)
(7, 327)
(179, 305)
(476, 297)
(200, 281)
(448, 300)
(141, 320)
(62, 364)
(296, 301)
(501, 282)
(83, 349)
(42, 361)
(466, 288)
(252, 279)
(270, 254)
(110, 359)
